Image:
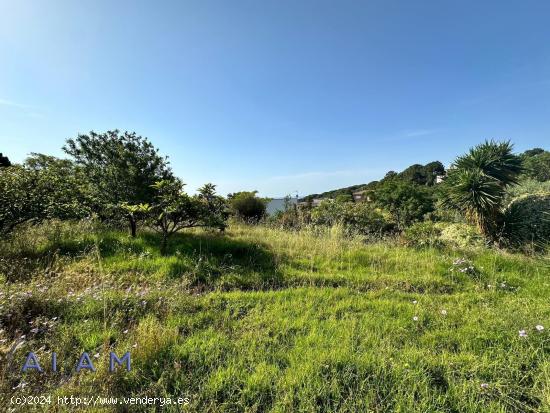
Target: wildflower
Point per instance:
(415, 302)
(415, 318)
(444, 312)
(125, 332)
(522, 333)
(484, 385)
(539, 327)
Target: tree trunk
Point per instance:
(133, 226)
(163, 243)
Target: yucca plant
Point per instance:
(477, 181)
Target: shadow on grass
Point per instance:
(203, 260)
(214, 260)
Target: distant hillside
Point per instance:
(334, 193)
(420, 174)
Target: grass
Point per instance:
(262, 320)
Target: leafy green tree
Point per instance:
(135, 213)
(423, 174)
(533, 152)
(407, 202)
(4, 161)
(174, 210)
(44, 187)
(215, 210)
(477, 182)
(537, 164)
(432, 170)
(414, 173)
(122, 168)
(247, 206)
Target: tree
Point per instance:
(122, 167)
(247, 206)
(533, 152)
(414, 173)
(407, 202)
(477, 181)
(4, 161)
(432, 170)
(537, 164)
(135, 213)
(174, 210)
(214, 207)
(44, 187)
(422, 174)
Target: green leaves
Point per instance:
(174, 210)
(247, 206)
(537, 164)
(476, 184)
(356, 217)
(121, 167)
(44, 187)
(405, 201)
(494, 160)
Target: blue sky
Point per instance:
(278, 96)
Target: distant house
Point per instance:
(358, 195)
(439, 179)
(279, 204)
(363, 195)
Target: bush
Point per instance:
(422, 234)
(527, 187)
(358, 218)
(295, 217)
(407, 202)
(43, 188)
(460, 235)
(247, 206)
(527, 222)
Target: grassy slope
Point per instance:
(263, 320)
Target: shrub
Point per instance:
(247, 206)
(359, 218)
(537, 164)
(527, 222)
(527, 187)
(295, 217)
(407, 202)
(460, 235)
(422, 234)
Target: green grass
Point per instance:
(261, 320)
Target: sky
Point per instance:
(279, 96)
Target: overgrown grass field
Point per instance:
(265, 320)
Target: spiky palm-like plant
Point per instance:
(477, 182)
